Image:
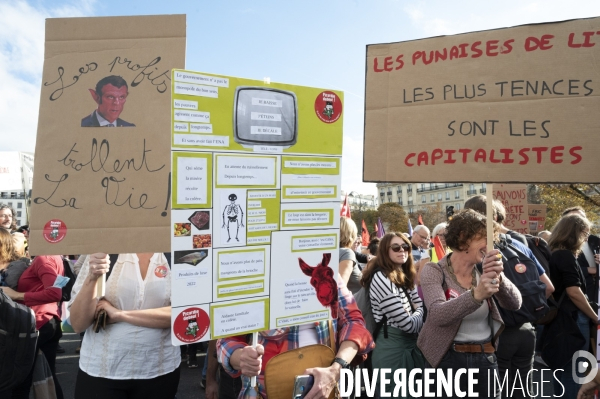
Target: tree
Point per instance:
(559, 197)
(394, 216)
(370, 218)
(433, 215)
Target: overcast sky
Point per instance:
(311, 43)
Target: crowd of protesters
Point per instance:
(440, 299)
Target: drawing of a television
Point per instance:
(265, 116)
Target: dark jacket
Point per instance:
(591, 281)
(92, 121)
(13, 272)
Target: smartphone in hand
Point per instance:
(302, 385)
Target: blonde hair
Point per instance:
(7, 247)
(348, 232)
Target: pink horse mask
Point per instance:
(321, 278)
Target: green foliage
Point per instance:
(432, 215)
(559, 197)
(393, 216)
(369, 216)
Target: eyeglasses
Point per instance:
(8, 216)
(426, 238)
(397, 248)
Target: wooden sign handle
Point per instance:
(254, 342)
(489, 210)
(101, 286)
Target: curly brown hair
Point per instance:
(401, 276)
(465, 227)
(7, 247)
(567, 233)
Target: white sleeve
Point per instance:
(79, 263)
(83, 272)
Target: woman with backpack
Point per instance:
(396, 306)
(568, 236)
(463, 324)
(36, 289)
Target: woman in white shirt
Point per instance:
(133, 356)
(396, 306)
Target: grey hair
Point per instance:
(439, 227)
(420, 227)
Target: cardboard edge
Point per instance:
(483, 30)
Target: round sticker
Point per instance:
(54, 231)
(520, 268)
(191, 325)
(328, 107)
(523, 221)
(161, 271)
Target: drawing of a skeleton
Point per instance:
(234, 214)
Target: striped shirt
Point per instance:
(391, 301)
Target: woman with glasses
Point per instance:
(439, 231)
(396, 305)
(463, 324)
(568, 236)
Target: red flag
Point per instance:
(420, 220)
(440, 251)
(365, 234)
(345, 211)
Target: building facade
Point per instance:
(358, 201)
(415, 197)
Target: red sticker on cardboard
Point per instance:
(54, 231)
(191, 325)
(161, 271)
(328, 107)
(520, 268)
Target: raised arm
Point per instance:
(83, 305)
(440, 311)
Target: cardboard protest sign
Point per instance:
(255, 225)
(537, 218)
(506, 105)
(99, 189)
(514, 199)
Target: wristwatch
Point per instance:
(341, 362)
